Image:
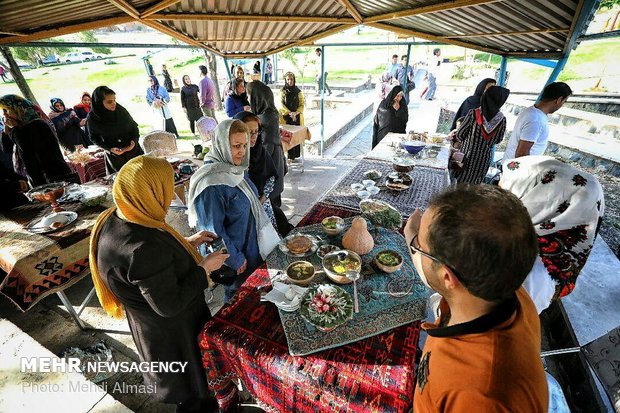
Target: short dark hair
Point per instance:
(203, 69)
(247, 117)
(437, 50)
(394, 56)
(556, 90)
(403, 57)
(318, 49)
(486, 234)
(269, 59)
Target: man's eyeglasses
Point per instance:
(414, 247)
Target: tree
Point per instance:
(35, 55)
(17, 74)
(212, 66)
(292, 56)
(89, 37)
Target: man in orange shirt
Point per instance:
(475, 245)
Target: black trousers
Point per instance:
(284, 227)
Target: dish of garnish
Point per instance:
(300, 272)
(332, 225)
(398, 182)
(388, 261)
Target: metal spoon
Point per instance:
(354, 275)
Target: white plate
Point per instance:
(40, 226)
(278, 297)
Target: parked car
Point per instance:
(80, 57)
(50, 60)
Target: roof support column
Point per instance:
(275, 68)
(322, 80)
(17, 75)
(405, 80)
(263, 70)
(228, 69)
(559, 66)
(501, 79)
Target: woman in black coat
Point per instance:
(190, 102)
(112, 128)
(473, 101)
(392, 116)
(262, 103)
(143, 268)
(37, 154)
(68, 126)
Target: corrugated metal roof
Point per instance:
(259, 27)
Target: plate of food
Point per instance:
(398, 181)
(381, 214)
(372, 174)
(389, 261)
(52, 222)
(332, 225)
(326, 249)
(300, 273)
(338, 263)
(298, 245)
(326, 306)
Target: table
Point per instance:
(245, 340)
(389, 148)
(298, 135)
(90, 170)
(38, 265)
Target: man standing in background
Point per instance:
(393, 67)
(405, 77)
(431, 75)
(268, 71)
(320, 75)
(207, 92)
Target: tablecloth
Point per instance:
(297, 135)
(41, 264)
(390, 148)
(426, 183)
(245, 340)
(89, 171)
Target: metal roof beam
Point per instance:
(432, 37)
(74, 28)
(118, 45)
(158, 7)
(582, 13)
(352, 10)
(262, 18)
(518, 33)
(126, 7)
(12, 33)
(310, 39)
(178, 35)
(447, 5)
(603, 35)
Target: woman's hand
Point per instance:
(214, 261)
(262, 199)
(243, 267)
(413, 225)
(202, 237)
(23, 186)
(120, 151)
(83, 122)
(396, 105)
(247, 108)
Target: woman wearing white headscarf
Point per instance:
(566, 206)
(223, 199)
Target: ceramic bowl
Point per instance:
(363, 194)
(413, 147)
(332, 225)
(300, 273)
(389, 267)
(357, 187)
(373, 190)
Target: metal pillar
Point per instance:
(501, 80)
(230, 73)
(322, 98)
(275, 68)
(262, 69)
(404, 85)
(559, 66)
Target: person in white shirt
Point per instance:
(431, 75)
(531, 132)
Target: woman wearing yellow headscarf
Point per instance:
(141, 264)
